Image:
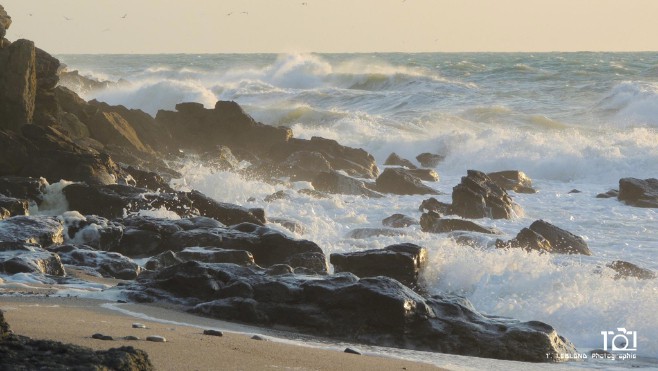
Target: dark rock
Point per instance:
(82, 84)
(625, 270)
(18, 84)
(163, 260)
(402, 262)
(361, 233)
(213, 333)
(429, 175)
(138, 242)
(352, 351)
(226, 213)
(432, 204)
(13, 152)
(400, 181)
(313, 193)
(395, 160)
(562, 242)
(40, 230)
(311, 262)
(101, 337)
(613, 193)
(14, 206)
(433, 223)
(574, 191)
(512, 180)
(304, 165)
(110, 128)
(477, 196)
(333, 182)
(527, 239)
(258, 337)
(430, 160)
(638, 192)
(149, 180)
(289, 224)
(94, 231)
(130, 338)
(23, 188)
(107, 264)
(19, 257)
(216, 255)
(399, 221)
(377, 310)
(278, 270)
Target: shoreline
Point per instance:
(74, 320)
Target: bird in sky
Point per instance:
(67, 18)
(125, 15)
(244, 12)
(227, 14)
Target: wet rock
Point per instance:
(376, 310)
(14, 206)
(107, 264)
(17, 257)
(477, 196)
(333, 182)
(361, 233)
(156, 339)
(216, 255)
(573, 191)
(130, 338)
(313, 193)
(304, 165)
(625, 269)
(430, 160)
(395, 160)
(258, 337)
(429, 175)
(101, 337)
(432, 204)
(31, 189)
(613, 193)
(279, 195)
(562, 242)
(91, 230)
(40, 230)
(400, 181)
(639, 192)
(138, 242)
(399, 221)
(402, 262)
(148, 180)
(213, 333)
(308, 262)
(110, 128)
(289, 224)
(433, 223)
(512, 180)
(163, 260)
(13, 152)
(527, 239)
(226, 213)
(221, 158)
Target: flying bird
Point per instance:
(227, 14)
(244, 12)
(125, 15)
(67, 18)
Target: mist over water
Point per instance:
(569, 120)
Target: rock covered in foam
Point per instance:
(91, 230)
(377, 310)
(14, 206)
(18, 257)
(107, 264)
(40, 230)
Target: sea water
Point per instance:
(568, 120)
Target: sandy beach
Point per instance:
(74, 320)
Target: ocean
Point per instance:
(568, 120)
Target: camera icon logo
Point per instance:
(619, 340)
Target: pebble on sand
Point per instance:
(258, 337)
(101, 337)
(213, 332)
(139, 325)
(156, 338)
(130, 337)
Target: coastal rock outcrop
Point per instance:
(512, 180)
(18, 257)
(477, 196)
(639, 192)
(333, 182)
(545, 236)
(399, 221)
(433, 223)
(41, 230)
(376, 310)
(107, 264)
(400, 181)
(18, 84)
(429, 160)
(395, 160)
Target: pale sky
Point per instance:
(277, 26)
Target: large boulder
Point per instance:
(18, 84)
(395, 160)
(337, 183)
(625, 269)
(477, 196)
(40, 230)
(375, 310)
(433, 223)
(527, 239)
(639, 192)
(216, 255)
(20, 257)
(304, 165)
(107, 264)
(512, 180)
(544, 236)
(226, 213)
(399, 181)
(402, 262)
(110, 128)
(429, 160)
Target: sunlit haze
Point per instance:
(195, 26)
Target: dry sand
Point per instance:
(74, 320)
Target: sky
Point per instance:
(278, 26)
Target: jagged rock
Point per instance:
(395, 160)
(13, 152)
(304, 165)
(638, 192)
(361, 233)
(429, 175)
(82, 84)
(402, 262)
(377, 310)
(14, 206)
(430, 160)
(18, 84)
(308, 263)
(23, 188)
(625, 270)
(19, 257)
(113, 200)
(512, 180)
(399, 221)
(221, 158)
(527, 239)
(333, 182)
(432, 204)
(433, 223)
(574, 191)
(91, 230)
(562, 242)
(108, 264)
(224, 212)
(289, 224)
(41, 230)
(46, 110)
(216, 255)
(477, 196)
(613, 193)
(110, 128)
(163, 260)
(148, 179)
(400, 181)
